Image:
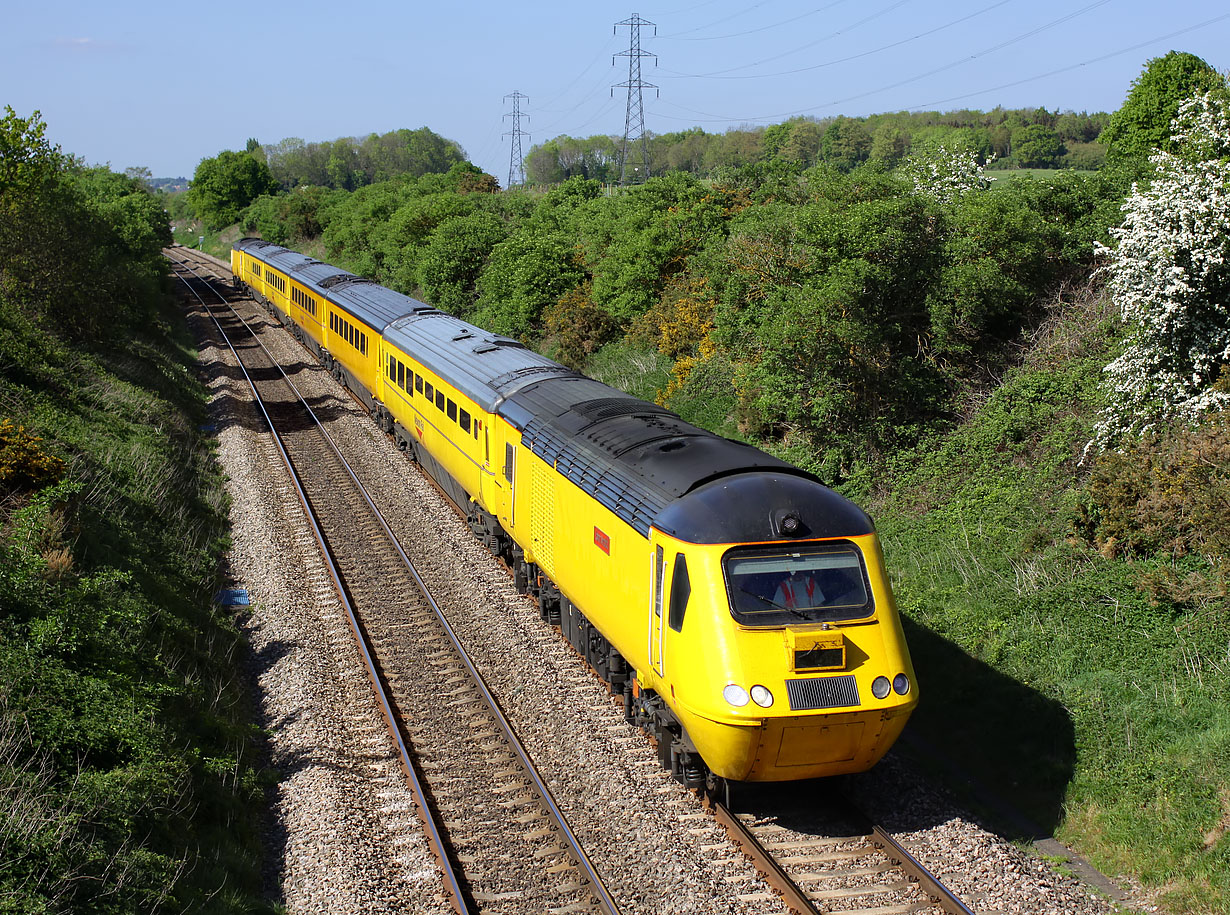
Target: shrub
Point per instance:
(1166, 493)
(1170, 275)
(25, 464)
(577, 326)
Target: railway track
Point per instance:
(502, 842)
(836, 866)
(826, 856)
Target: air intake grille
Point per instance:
(822, 692)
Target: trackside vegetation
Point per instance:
(129, 779)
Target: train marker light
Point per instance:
(735, 694)
(880, 687)
(901, 684)
(761, 696)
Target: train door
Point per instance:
(510, 502)
(657, 619)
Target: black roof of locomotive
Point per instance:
(651, 468)
(641, 461)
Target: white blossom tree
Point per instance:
(1170, 277)
(945, 173)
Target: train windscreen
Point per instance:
(818, 582)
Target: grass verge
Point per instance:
(1051, 671)
(129, 779)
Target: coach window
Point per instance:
(440, 400)
(464, 420)
(418, 382)
(681, 590)
(363, 340)
(430, 392)
(401, 376)
(452, 410)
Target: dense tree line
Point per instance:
(349, 162)
(1029, 138)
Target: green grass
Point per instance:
(1001, 176)
(1047, 672)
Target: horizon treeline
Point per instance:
(1001, 138)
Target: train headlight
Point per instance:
(880, 687)
(735, 694)
(901, 684)
(761, 696)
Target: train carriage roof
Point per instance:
(368, 302)
(483, 366)
(641, 461)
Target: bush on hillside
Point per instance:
(1170, 276)
(80, 249)
(1165, 493)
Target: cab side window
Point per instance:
(681, 590)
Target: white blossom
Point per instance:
(946, 173)
(1170, 279)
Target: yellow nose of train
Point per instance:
(786, 659)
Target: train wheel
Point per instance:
(717, 789)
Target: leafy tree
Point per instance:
(846, 143)
(223, 185)
(889, 144)
(802, 147)
(1143, 123)
(451, 261)
(1037, 146)
(1170, 275)
(286, 219)
(79, 248)
(635, 242)
(818, 306)
(526, 274)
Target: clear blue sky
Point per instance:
(142, 84)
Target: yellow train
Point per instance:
(740, 607)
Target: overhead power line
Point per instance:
(1083, 63)
(911, 79)
(839, 60)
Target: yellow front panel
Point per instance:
(755, 743)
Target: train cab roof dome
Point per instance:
(748, 508)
